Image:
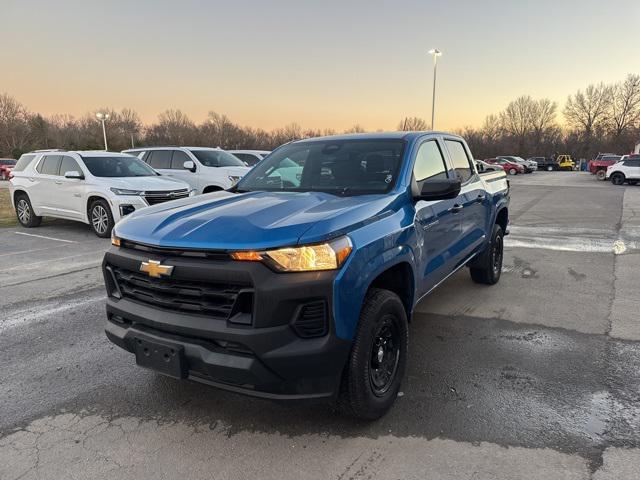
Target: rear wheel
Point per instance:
(513, 171)
(24, 212)
(376, 365)
(549, 168)
(617, 178)
(5, 176)
(101, 218)
(632, 182)
(489, 267)
(601, 174)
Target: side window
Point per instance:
(179, 157)
(632, 163)
(429, 163)
(49, 165)
(68, 165)
(160, 159)
(246, 157)
(459, 159)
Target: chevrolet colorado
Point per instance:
(299, 282)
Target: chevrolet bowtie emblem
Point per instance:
(154, 269)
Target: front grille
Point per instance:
(155, 197)
(186, 296)
(312, 320)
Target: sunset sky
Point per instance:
(317, 63)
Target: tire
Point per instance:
(513, 171)
(618, 178)
(489, 268)
(24, 212)
(373, 374)
(601, 174)
(5, 176)
(100, 218)
(632, 182)
(549, 168)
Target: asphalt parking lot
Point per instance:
(537, 377)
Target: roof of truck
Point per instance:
(380, 136)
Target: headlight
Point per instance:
(234, 179)
(307, 258)
(115, 240)
(124, 191)
(192, 192)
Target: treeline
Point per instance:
(600, 118)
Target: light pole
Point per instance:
(103, 117)
(436, 53)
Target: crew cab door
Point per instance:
(473, 198)
(437, 223)
(42, 191)
(179, 172)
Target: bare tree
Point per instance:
(412, 124)
(14, 126)
(625, 105)
(357, 128)
(586, 111)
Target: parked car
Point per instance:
(98, 188)
(304, 291)
(250, 157)
(598, 166)
(627, 170)
(6, 165)
(483, 166)
(512, 168)
(561, 162)
(529, 166)
(204, 169)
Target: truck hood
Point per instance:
(147, 183)
(250, 221)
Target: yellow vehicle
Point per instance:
(565, 162)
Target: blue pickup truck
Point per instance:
(299, 282)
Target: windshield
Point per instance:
(217, 158)
(344, 167)
(124, 166)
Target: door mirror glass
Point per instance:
(74, 174)
(480, 167)
(440, 189)
(189, 165)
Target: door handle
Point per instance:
(456, 208)
(481, 198)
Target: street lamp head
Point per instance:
(102, 116)
(435, 51)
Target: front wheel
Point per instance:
(5, 176)
(489, 267)
(101, 218)
(549, 168)
(513, 171)
(376, 365)
(632, 182)
(617, 179)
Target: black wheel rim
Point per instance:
(617, 180)
(385, 354)
(496, 255)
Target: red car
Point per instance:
(6, 165)
(598, 165)
(511, 168)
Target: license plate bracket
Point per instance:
(164, 357)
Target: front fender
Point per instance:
(351, 285)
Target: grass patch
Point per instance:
(7, 213)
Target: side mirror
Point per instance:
(189, 165)
(480, 167)
(440, 189)
(74, 174)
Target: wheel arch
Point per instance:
(92, 198)
(212, 188)
(399, 279)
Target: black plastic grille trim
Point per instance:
(312, 320)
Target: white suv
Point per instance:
(204, 169)
(627, 170)
(98, 188)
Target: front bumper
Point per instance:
(258, 351)
(122, 205)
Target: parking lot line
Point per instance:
(46, 238)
